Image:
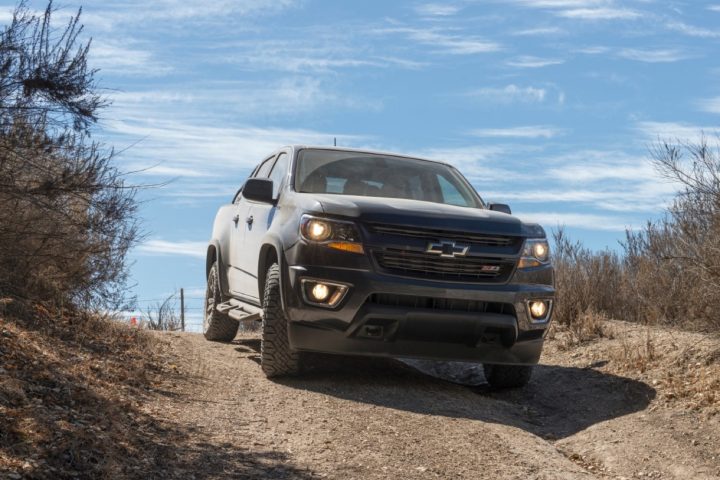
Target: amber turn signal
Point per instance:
(347, 246)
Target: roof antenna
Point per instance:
(334, 141)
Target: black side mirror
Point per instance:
(500, 207)
(258, 190)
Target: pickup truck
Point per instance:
(354, 252)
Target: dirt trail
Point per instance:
(372, 419)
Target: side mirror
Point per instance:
(258, 190)
(500, 207)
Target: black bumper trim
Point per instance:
(325, 340)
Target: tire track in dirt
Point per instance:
(359, 419)
(355, 418)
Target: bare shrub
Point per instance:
(674, 264)
(163, 315)
(586, 281)
(669, 271)
(68, 218)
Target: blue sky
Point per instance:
(548, 105)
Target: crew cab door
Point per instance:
(260, 217)
(240, 279)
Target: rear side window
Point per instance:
(264, 169)
(278, 173)
(260, 172)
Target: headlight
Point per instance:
(335, 234)
(317, 230)
(536, 252)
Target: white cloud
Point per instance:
(176, 248)
(539, 31)
(124, 60)
(165, 13)
(711, 105)
(592, 50)
(653, 56)
(693, 31)
(714, 8)
(437, 9)
(609, 180)
(599, 14)
(630, 197)
(290, 94)
(672, 131)
(476, 162)
(529, 61)
(444, 42)
(579, 220)
(203, 148)
(559, 3)
(166, 171)
(533, 131)
(316, 53)
(638, 171)
(509, 93)
(583, 9)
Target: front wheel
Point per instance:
(217, 326)
(277, 358)
(507, 376)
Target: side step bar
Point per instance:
(240, 311)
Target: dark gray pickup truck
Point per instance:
(365, 253)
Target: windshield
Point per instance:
(376, 175)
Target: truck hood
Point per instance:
(395, 211)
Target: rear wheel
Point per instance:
(507, 376)
(277, 358)
(217, 327)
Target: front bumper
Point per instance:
(359, 326)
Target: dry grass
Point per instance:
(683, 367)
(70, 388)
(588, 326)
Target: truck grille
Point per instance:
(439, 234)
(415, 263)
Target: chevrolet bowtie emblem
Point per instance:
(448, 249)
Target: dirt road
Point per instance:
(377, 419)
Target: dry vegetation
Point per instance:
(665, 278)
(683, 367)
(70, 388)
(668, 273)
(69, 380)
(67, 217)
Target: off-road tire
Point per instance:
(507, 376)
(217, 327)
(276, 357)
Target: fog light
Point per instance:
(320, 292)
(538, 309)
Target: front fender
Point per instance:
(272, 249)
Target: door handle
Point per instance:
(249, 220)
(236, 218)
